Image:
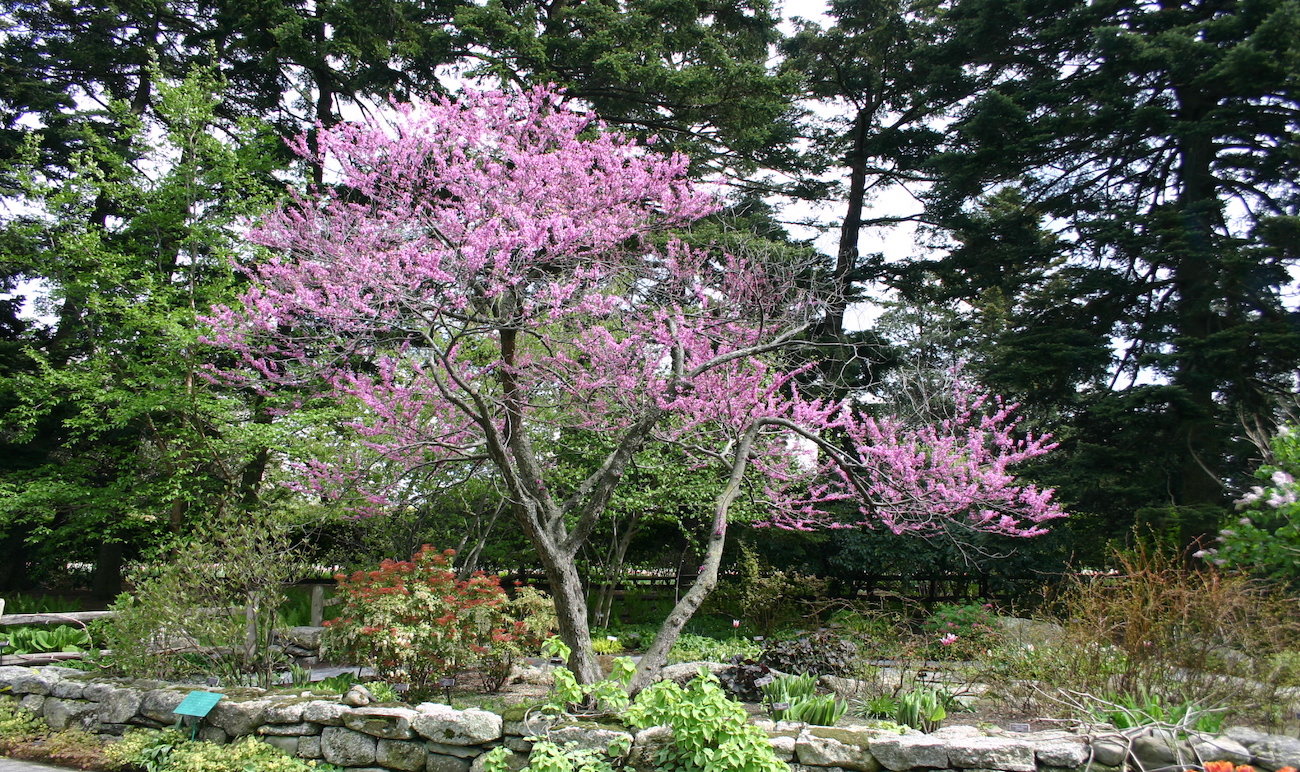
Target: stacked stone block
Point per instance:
(431, 737)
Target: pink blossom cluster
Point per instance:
(489, 271)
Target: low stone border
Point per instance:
(431, 737)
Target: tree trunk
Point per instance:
(846, 256)
(612, 574)
(647, 671)
(1195, 274)
(571, 614)
(108, 570)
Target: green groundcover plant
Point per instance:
(171, 751)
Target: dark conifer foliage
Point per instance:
(1127, 183)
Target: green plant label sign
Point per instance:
(198, 704)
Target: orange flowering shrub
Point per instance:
(1228, 766)
(414, 622)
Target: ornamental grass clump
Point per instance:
(1153, 629)
(415, 622)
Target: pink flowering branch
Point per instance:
(484, 276)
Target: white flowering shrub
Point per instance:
(1266, 539)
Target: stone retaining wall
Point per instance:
(431, 737)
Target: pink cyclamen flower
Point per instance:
(948, 639)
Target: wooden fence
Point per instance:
(318, 605)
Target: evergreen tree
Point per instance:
(693, 73)
(1156, 142)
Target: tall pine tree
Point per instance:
(1156, 142)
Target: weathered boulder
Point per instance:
(646, 745)
(284, 712)
(31, 681)
(239, 718)
(957, 732)
(824, 751)
(10, 673)
(305, 636)
(63, 714)
(992, 753)
(388, 723)
(445, 724)
(845, 688)
(287, 744)
(1110, 750)
(400, 754)
(436, 762)
(1245, 735)
(96, 691)
(596, 738)
(309, 746)
(783, 747)
(159, 704)
(459, 751)
(324, 712)
(68, 689)
(518, 744)
(910, 751)
(683, 672)
(530, 725)
(1159, 748)
(288, 730)
(527, 674)
(1277, 751)
(112, 730)
(1220, 749)
(117, 706)
(213, 734)
(1062, 752)
(346, 747)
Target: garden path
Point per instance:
(14, 765)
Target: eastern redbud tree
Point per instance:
(492, 271)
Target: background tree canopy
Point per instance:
(1107, 194)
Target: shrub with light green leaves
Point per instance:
(710, 731)
(547, 756)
